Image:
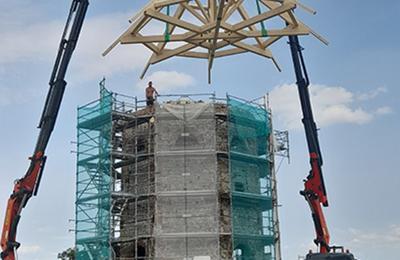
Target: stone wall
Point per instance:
(183, 189)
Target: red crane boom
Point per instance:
(27, 186)
(314, 187)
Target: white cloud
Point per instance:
(34, 42)
(385, 110)
(38, 43)
(29, 249)
(372, 93)
(331, 105)
(97, 34)
(19, 12)
(9, 96)
(383, 237)
(166, 81)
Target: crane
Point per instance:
(314, 187)
(28, 185)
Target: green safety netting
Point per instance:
(93, 195)
(252, 219)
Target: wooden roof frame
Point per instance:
(215, 35)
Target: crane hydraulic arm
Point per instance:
(27, 186)
(314, 188)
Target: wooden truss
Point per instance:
(209, 29)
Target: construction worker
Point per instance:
(150, 90)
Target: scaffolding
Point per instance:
(94, 179)
(251, 181)
(133, 198)
(115, 178)
(189, 178)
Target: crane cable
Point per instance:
(167, 35)
(264, 31)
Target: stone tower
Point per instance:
(190, 178)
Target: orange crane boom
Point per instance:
(314, 187)
(27, 186)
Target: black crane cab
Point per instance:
(338, 253)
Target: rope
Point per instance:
(264, 31)
(167, 36)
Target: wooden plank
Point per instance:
(112, 46)
(147, 6)
(229, 52)
(149, 45)
(215, 37)
(232, 51)
(169, 2)
(232, 9)
(146, 67)
(270, 41)
(139, 24)
(130, 39)
(276, 64)
(133, 27)
(170, 53)
(245, 16)
(274, 5)
(300, 30)
(306, 8)
(287, 19)
(178, 14)
(136, 26)
(203, 29)
(293, 18)
(195, 13)
(202, 10)
(166, 54)
(194, 54)
(251, 48)
(172, 20)
(220, 44)
(212, 9)
(264, 16)
(188, 36)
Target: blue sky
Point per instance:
(354, 89)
